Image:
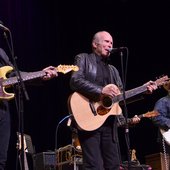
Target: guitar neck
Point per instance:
(148, 114)
(34, 75)
(130, 93)
(139, 90)
(130, 120)
(25, 77)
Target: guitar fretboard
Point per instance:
(24, 76)
(130, 93)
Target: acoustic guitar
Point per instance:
(91, 115)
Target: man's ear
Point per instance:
(94, 45)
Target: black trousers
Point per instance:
(100, 147)
(4, 134)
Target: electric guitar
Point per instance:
(133, 155)
(7, 82)
(91, 115)
(23, 162)
(166, 135)
(148, 114)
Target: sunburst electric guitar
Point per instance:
(7, 82)
(91, 115)
(148, 114)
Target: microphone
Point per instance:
(113, 50)
(3, 27)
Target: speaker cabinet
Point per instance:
(157, 161)
(45, 161)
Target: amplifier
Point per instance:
(44, 161)
(70, 167)
(69, 158)
(68, 154)
(75, 164)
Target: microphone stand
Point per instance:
(21, 91)
(125, 106)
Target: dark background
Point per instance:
(53, 32)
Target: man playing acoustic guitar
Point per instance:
(97, 78)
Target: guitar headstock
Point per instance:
(153, 113)
(162, 81)
(66, 68)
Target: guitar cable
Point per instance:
(56, 134)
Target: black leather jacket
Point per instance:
(83, 81)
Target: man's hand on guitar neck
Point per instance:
(112, 90)
(151, 86)
(51, 72)
(135, 120)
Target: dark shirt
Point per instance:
(103, 73)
